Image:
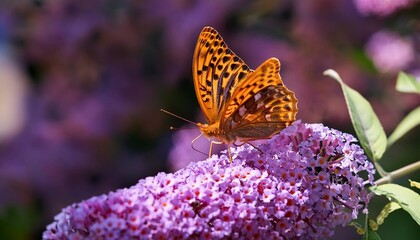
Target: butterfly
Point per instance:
(240, 104)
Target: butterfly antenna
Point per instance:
(174, 115)
(181, 128)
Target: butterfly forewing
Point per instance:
(216, 71)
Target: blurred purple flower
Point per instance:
(390, 52)
(13, 93)
(183, 152)
(380, 7)
(304, 185)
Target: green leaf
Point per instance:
(365, 122)
(405, 197)
(409, 122)
(407, 83)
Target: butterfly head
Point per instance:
(213, 131)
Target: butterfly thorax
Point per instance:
(214, 131)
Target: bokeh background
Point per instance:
(82, 84)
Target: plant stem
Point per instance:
(391, 176)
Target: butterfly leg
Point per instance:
(259, 150)
(211, 148)
(228, 148)
(230, 154)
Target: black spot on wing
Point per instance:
(241, 75)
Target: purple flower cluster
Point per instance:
(380, 7)
(300, 184)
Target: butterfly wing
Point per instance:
(261, 105)
(216, 71)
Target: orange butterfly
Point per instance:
(239, 103)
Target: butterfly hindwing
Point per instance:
(265, 117)
(261, 105)
(216, 71)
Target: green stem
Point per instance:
(391, 176)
